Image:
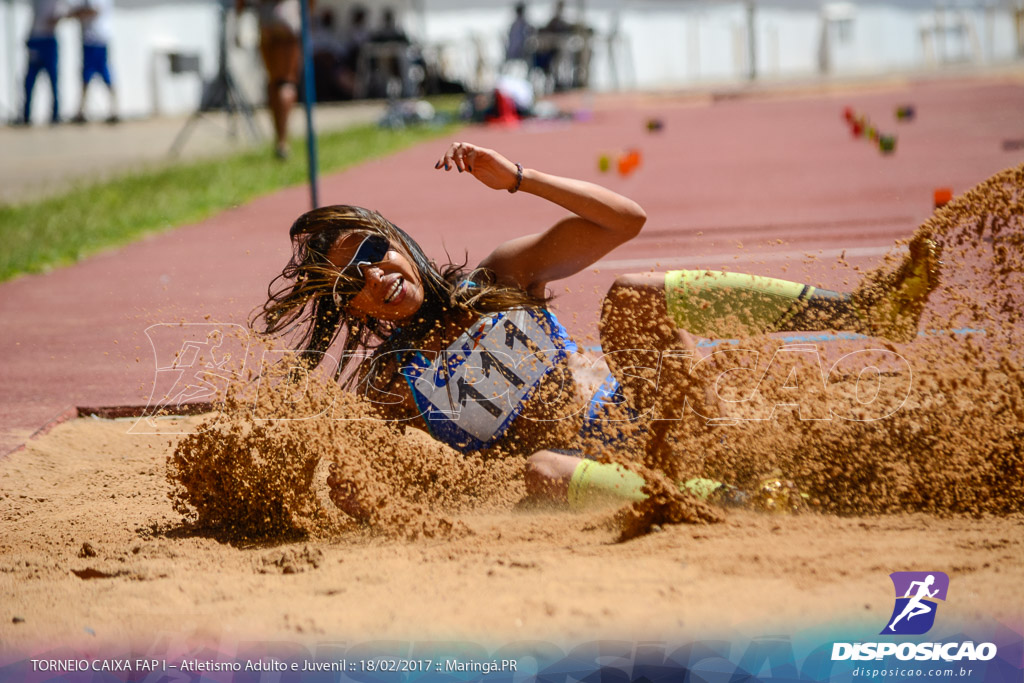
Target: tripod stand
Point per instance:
(221, 94)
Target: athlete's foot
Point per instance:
(771, 495)
(717, 492)
(281, 151)
(730, 497)
(890, 305)
(778, 495)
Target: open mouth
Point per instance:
(395, 290)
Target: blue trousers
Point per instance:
(42, 56)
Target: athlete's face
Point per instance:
(393, 288)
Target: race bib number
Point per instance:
(481, 380)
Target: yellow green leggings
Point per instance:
(715, 303)
(595, 483)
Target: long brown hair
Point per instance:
(306, 302)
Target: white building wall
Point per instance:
(144, 33)
(662, 43)
(677, 43)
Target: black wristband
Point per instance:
(519, 179)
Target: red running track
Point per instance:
(748, 183)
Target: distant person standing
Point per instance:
(327, 53)
(394, 59)
(551, 37)
(357, 35)
(561, 54)
(281, 49)
(97, 22)
(519, 34)
(557, 24)
(389, 31)
(42, 53)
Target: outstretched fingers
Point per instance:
(486, 165)
(460, 155)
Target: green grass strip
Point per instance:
(52, 232)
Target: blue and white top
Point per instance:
(470, 393)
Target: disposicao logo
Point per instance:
(917, 596)
(916, 602)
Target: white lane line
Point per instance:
(664, 262)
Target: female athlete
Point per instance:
(474, 357)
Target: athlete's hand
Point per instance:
(486, 165)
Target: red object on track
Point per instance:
(507, 114)
(629, 162)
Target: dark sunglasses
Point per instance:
(371, 250)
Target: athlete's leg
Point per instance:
(714, 303)
(645, 317)
(583, 483)
(651, 356)
(548, 475)
(718, 304)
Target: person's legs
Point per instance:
(80, 116)
(95, 62)
(34, 67)
(50, 65)
(114, 116)
(92, 65)
(281, 56)
(104, 72)
(42, 56)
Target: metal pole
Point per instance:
(751, 40)
(310, 98)
(11, 74)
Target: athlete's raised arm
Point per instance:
(601, 220)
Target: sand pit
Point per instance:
(93, 554)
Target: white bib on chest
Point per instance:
(482, 379)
